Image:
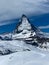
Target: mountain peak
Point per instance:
(24, 16)
(24, 24)
(24, 19)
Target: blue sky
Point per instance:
(36, 10)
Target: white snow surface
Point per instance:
(21, 35)
(35, 56)
(13, 46)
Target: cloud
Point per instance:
(10, 9)
(44, 27)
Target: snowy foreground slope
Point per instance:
(25, 54)
(35, 57)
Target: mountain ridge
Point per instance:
(24, 38)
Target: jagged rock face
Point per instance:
(24, 28)
(24, 25)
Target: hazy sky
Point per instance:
(10, 9)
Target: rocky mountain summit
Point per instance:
(23, 38)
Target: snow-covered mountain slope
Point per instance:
(23, 34)
(35, 57)
(24, 29)
(24, 24)
(15, 50)
(7, 47)
(12, 46)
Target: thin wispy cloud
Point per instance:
(10, 9)
(44, 27)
